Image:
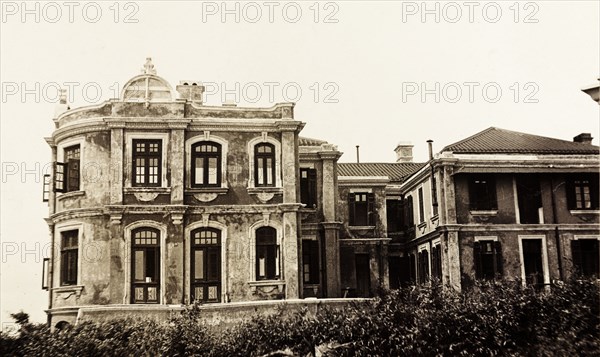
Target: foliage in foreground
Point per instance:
(491, 319)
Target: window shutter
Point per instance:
(477, 260)
(312, 187)
(60, 170)
(498, 256)
(570, 186)
(351, 201)
(46, 192)
(371, 214)
(576, 253)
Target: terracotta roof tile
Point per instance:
(495, 141)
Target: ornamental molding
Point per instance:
(205, 197)
(146, 196)
(69, 131)
(265, 197)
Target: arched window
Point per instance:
(206, 265)
(206, 164)
(267, 254)
(145, 265)
(264, 165)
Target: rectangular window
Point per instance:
(421, 206)
(67, 173)
(46, 191)
(145, 265)
(487, 255)
(436, 264)
(395, 216)
(583, 192)
(361, 209)
(529, 197)
(206, 164)
(72, 155)
(69, 251)
(310, 261)
(482, 193)
(533, 262)
(586, 257)
(264, 165)
(308, 187)
(267, 254)
(147, 157)
(423, 267)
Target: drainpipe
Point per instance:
(556, 233)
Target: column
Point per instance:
(115, 172)
(332, 259)
(176, 160)
(291, 263)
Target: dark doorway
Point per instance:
(363, 275)
(532, 261)
(529, 198)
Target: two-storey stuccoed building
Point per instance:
(158, 200)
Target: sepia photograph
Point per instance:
(300, 178)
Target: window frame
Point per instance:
(206, 156)
(477, 202)
(308, 187)
(258, 156)
(574, 191)
(421, 199)
(272, 267)
(207, 280)
(147, 155)
(69, 258)
(577, 255)
(369, 208)
(157, 265)
(496, 258)
(544, 248)
(61, 169)
(311, 258)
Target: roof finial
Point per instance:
(148, 67)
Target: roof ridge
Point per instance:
(471, 137)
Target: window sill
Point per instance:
(581, 212)
(71, 194)
(360, 228)
(279, 284)
(484, 213)
(147, 189)
(217, 190)
(69, 290)
(267, 189)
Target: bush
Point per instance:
(490, 319)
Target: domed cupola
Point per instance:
(147, 87)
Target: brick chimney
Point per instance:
(190, 90)
(584, 138)
(404, 152)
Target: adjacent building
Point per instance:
(158, 200)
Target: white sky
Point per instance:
(372, 57)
